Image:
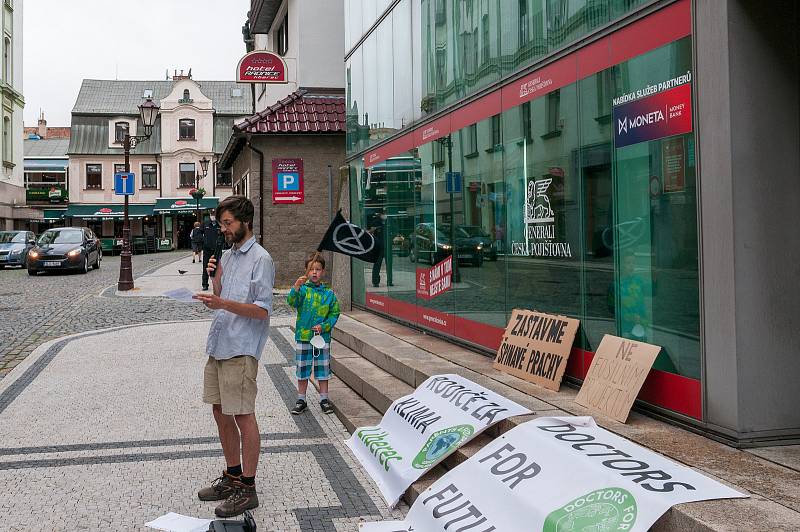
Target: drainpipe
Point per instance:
(260, 191)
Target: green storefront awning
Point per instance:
(183, 205)
(53, 214)
(108, 211)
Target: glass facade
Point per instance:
(547, 201)
(428, 54)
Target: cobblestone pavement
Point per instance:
(36, 309)
(106, 429)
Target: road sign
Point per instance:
(453, 183)
(124, 184)
(287, 181)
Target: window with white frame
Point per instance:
(187, 175)
(186, 129)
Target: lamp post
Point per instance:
(447, 142)
(197, 192)
(148, 112)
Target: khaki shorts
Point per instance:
(232, 384)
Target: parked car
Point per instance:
(433, 248)
(14, 248)
(477, 235)
(65, 248)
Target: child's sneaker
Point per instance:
(326, 406)
(299, 407)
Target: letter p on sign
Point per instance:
(288, 181)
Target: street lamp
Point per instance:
(447, 142)
(148, 112)
(198, 193)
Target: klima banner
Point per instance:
(421, 429)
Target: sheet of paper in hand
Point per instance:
(184, 295)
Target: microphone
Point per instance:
(218, 252)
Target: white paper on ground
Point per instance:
(184, 295)
(173, 522)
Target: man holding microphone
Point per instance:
(242, 281)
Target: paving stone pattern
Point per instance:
(36, 309)
(113, 437)
(106, 430)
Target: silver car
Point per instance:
(14, 248)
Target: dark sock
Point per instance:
(235, 471)
(248, 481)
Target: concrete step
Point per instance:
(390, 350)
(364, 392)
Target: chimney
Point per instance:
(42, 125)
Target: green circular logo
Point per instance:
(440, 443)
(603, 510)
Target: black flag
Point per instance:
(349, 239)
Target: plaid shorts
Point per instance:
(307, 356)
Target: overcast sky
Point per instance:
(65, 41)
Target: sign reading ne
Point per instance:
(616, 375)
(436, 280)
(287, 181)
(261, 67)
(536, 347)
(421, 429)
(556, 475)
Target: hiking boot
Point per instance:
(219, 490)
(243, 498)
(299, 407)
(326, 406)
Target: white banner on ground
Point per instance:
(421, 429)
(556, 475)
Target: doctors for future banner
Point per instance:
(556, 475)
(421, 429)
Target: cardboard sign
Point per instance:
(616, 375)
(536, 347)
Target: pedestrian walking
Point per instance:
(196, 236)
(211, 231)
(317, 312)
(242, 298)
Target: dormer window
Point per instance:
(185, 94)
(147, 93)
(120, 130)
(186, 129)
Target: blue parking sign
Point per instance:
(123, 184)
(288, 181)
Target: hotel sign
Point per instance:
(261, 67)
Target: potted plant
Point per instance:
(197, 193)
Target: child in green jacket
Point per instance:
(317, 312)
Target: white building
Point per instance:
(13, 214)
(194, 123)
(307, 34)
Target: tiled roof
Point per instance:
(101, 96)
(45, 148)
(300, 112)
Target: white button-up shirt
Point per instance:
(248, 275)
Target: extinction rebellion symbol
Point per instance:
(352, 240)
